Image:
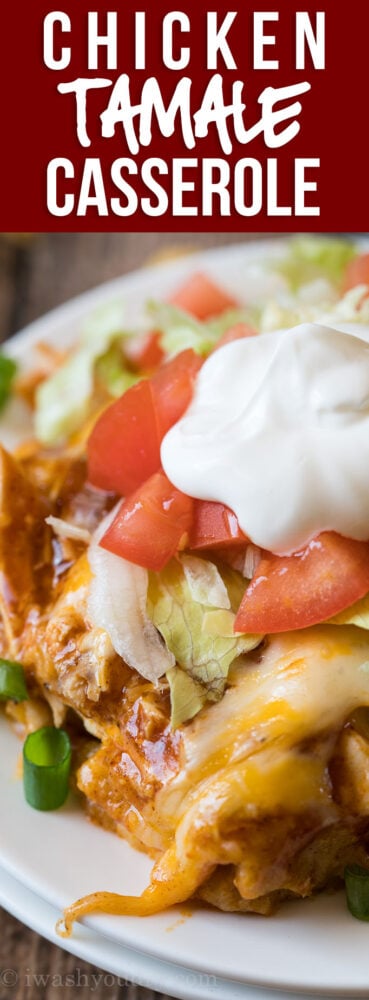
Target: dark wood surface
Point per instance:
(36, 274)
(39, 272)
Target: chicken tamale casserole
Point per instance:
(184, 588)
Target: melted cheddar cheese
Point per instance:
(257, 760)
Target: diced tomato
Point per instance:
(124, 447)
(236, 332)
(151, 525)
(310, 586)
(172, 387)
(145, 353)
(357, 272)
(214, 526)
(201, 297)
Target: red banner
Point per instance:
(125, 118)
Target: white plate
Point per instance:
(309, 946)
(126, 965)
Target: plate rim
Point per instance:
(119, 960)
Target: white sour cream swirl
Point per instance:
(278, 430)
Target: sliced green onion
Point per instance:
(357, 891)
(12, 681)
(8, 369)
(46, 767)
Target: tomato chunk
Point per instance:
(202, 297)
(214, 526)
(172, 388)
(310, 586)
(145, 353)
(151, 525)
(357, 272)
(236, 332)
(124, 446)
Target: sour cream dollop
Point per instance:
(278, 430)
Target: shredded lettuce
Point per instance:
(235, 584)
(357, 614)
(117, 604)
(309, 258)
(65, 529)
(232, 317)
(291, 309)
(204, 656)
(63, 400)
(113, 373)
(353, 307)
(180, 330)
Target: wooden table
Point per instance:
(36, 274)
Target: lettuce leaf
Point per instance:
(235, 584)
(309, 258)
(205, 582)
(63, 400)
(112, 372)
(203, 656)
(180, 330)
(187, 696)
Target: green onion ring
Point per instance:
(8, 368)
(46, 767)
(357, 891)
(12, 681)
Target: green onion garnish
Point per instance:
(46, 767)
(8, 369)
(357, 891)
(12, 681)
